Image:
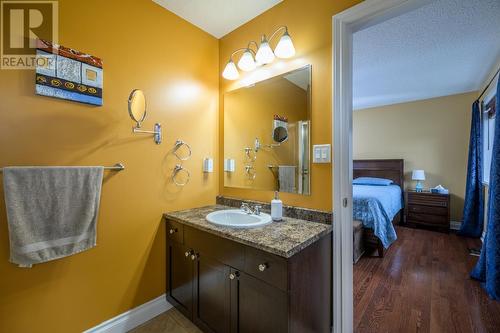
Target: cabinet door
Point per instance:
(257, 307)
(180, 275)
(212, 295)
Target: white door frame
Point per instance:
(344, 25)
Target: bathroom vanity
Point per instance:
(276, 278)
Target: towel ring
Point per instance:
(178, 168)
(178, 144)
(251, 173)
(250, 157)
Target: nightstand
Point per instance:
(427, 209)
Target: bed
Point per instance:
(378, 208)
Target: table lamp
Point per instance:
(419, 176)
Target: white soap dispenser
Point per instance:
(276, 208)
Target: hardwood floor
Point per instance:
(422, 285)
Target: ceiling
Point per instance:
(301, 78)
(444, 48)
(217, 17)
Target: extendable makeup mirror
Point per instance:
(137, 111)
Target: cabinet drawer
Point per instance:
(421, 209)
(175, 231)
(266, 267)
(428, 200)
(224, 250)
(428, 219)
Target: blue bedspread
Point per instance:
(376, 206)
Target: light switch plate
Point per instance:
(322, 153)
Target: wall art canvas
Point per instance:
(68, 74)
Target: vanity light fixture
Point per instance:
(251, 59)
(247, 63)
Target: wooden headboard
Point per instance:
(389, 169)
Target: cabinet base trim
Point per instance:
(132, 318)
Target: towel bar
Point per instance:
(116, 167)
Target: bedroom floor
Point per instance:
(422, 285)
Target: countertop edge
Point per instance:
(283, 254)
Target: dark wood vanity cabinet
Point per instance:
(258, 306)
(212, 295)
(224, 286)
(181, 278)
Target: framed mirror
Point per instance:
(267, 130)
(137, 106)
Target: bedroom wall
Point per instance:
(310, 25)
(431, 134)
(179, 75)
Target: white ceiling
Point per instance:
(300, 78)
(444, 48)
(217, 17)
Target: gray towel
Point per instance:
(286, 177)
(51, 211)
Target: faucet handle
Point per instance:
(257, 209)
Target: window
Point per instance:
(488, 108)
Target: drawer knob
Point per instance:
(172, 231)
(262, 267)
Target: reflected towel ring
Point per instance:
(178, 168)
(250, 171)
(178, 144)
(250, 158)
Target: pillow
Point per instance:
(372, 181)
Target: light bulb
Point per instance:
(230, 71)
(264, 54)
(285, 48)
(246, 62)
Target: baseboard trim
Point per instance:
(455, 225)
(132, 318)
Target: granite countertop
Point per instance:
(284, 238)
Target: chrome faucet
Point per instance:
(246, 208)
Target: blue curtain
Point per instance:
(473, 214)
(487, 269)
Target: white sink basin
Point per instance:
(236, 218)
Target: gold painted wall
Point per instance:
(310, 25)
(176, 64)
(249, 114)
(431, 134)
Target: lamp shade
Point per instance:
(246, 62)
(230, 71)
(418, 175)
(285, 48)
(264, 54)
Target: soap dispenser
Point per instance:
(276, 208)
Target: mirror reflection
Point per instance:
(267, 134)
(137, 106)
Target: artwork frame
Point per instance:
(68, 74)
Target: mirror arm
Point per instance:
(157, 134)
(136, 130)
